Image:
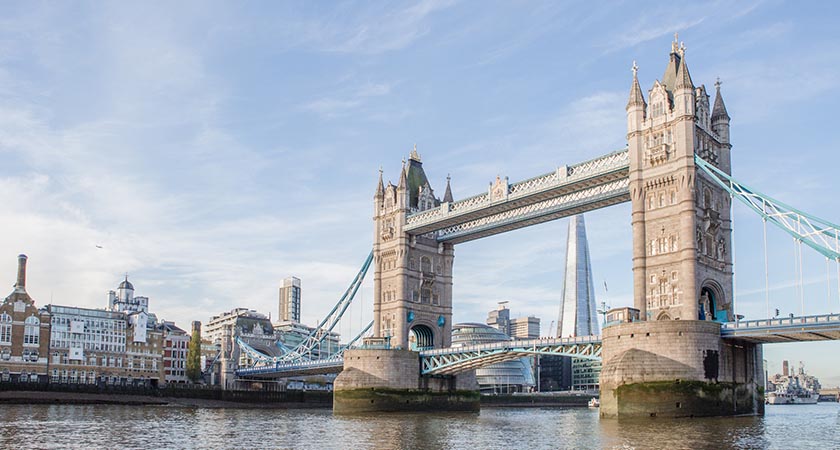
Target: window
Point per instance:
(425, 265)
(5, 329)
(425, 296)
(32, 330)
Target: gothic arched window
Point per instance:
(425, 265)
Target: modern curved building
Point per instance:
(509, 376)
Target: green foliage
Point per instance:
(194, 357)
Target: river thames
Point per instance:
(165, 427)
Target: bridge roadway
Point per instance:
(453, 360)
(824, 327)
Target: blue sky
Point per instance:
(212, 149)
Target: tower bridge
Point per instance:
(681, 339)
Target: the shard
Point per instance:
(577, 307)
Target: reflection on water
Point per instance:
(105, 426)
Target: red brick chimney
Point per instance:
(21, 278)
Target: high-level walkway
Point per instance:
(567, 191)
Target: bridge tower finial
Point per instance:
(414, 155)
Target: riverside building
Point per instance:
(121, 345)
(241, 320)
(176, 343)
(24, 335)
(87, 346)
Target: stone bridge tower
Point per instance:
(412, 274)
(682, 258)
(673, 361)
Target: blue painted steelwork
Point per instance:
(261, 359)
(814, 232)
(304, 350)
(280, 369)
(821, 327)
(453, 360)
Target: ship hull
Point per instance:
(792, 400)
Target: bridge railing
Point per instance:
(513, 344)
(781, 321)
(288, 367)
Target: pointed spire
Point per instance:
(380, 188)
(683, 77)
(447, 196)
(719, 110)
(403, 176)
(636, 97)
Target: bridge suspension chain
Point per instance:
(323, 330)
(812, 231)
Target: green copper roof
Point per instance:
(416, 178)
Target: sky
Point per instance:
(213, 148)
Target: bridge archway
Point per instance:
(421, 337)
(663, 316)
(711, 298)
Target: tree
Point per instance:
(194, 357)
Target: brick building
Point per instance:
(24, 335)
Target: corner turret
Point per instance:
(636, 107)
(683, 94)
(380, 187)
(447, 196)
(720, 118)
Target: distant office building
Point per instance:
(499, 318)
(508, 376)
(242, 320)
(555, 373)
(124, 300)
(291, 334)
(24, 335)
(577, 306)
(525, 328)
(289, 300)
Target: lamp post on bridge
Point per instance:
(603, 312)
